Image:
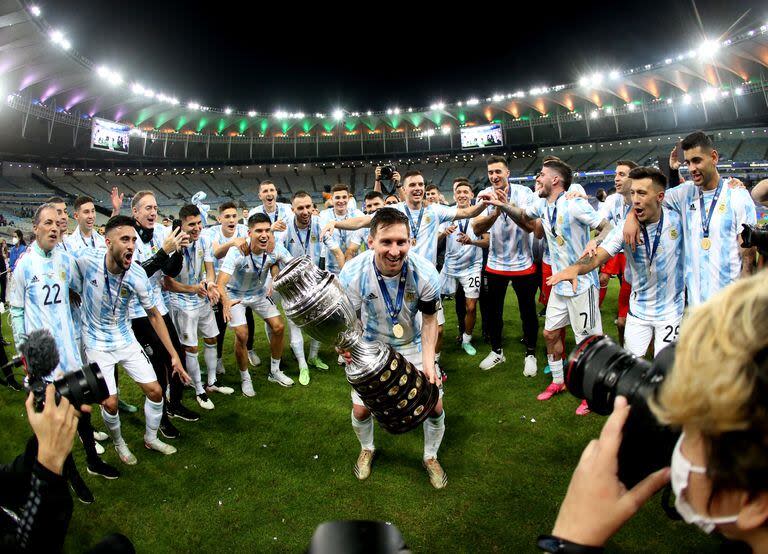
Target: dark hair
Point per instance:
(258, 217)
(39, 211)
(412, 173)
(629, 163)
(431, 186)
(697, 138)
(373, 194)
(460, 180)
(497, 160)
(229, 205)
(55, 200)
(300, 194)
(385, 217)
(600, 194)
(462, 183)
(391, 196)
(19, 234)
(267, 182)
(80, 200)
(550, 158)
(341, 187)
(118, 221)
(648, 172)
(190, 210)
(562, 169)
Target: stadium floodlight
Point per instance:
(687, 99)
(65, 44)
(338, 114)
(396, 111)
(680, 58)
(193, 106)
(668, 61)
(35, 10)
(724, 93)
(708, 48)
(583, 82)
(149, 93)
(137, 88)
(299, 115)
(669, 100)
(410, 110)
(614, 75)
(56, 36)
(631, 107)
(460, 103)
(473, 102)
(368, 112)
(739, 91)
(596, 79)
(498, 97)
(519, 94)
(709, 94)
(174, 101)
(609, 109)
(251, 113)
(228, 111)
(389, 111)
(594, 114)
(437, 106)
(446, 130)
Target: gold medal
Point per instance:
(413, 242)
(398, 331)
(560, 240)
(706, 243)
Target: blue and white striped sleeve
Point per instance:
(586, 214)
(229, 265)
(142, 287)
(349, 279)
(614, 242)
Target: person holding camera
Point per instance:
(386, 173)
(715, 394)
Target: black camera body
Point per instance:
(754, 235)
(599, 370)
(387, 171)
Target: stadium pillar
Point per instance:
(384, 138)
(530, 124)
(586, 117)
(674, 114)
(229, 147)
(186, 147)
(645, 115)
(616, 120)
(144, 147)
(362, 148)
(208, 146)
(736, 106)
(165, 145)
(704, 107)
(74, 133)
(273, 147)
(250, 148)
(52, 121)
(406, 142)
(26, 117)
(451, 137)
(559, 128)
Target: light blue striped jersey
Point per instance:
(249, 273)
(192, 272)
(575, 219)
(282, 212)
(75, 241)
(708, 271)
(298, 243)
(141, 254)
(342, 238)
(657, 288)
(359, 282)
(510, 248)
(461, 259)
(432, 216)
(41, 285)
(106, 322)
(216, 237)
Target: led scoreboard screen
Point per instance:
(481, 136)
(110, 136)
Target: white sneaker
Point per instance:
(253, 358)
(530, 366)
(100, 436)
(205, 402)
(247, 387)
(160, 446)
(126, 456)
(220, 367)
(341, 360)
(219, 388)
(492, 359)
(99, 449)
(280, 378)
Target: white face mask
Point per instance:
(15, 241)
(680, 471)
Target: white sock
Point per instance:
(364, 431)
(274, 365)
(112, 422)
(297, 344)
(434, 429)
(245, 377)
(193, 368)
(465, 338)
(314, 349)
(556, 367)
(437, 357)
(209, 354)
(153, 413)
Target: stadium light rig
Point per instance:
(35, 10)
(338, 114)
(708, 48)
(228, 111)
(58, 38)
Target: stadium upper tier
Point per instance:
(54, 92)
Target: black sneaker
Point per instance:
(103, 469)
(13, 384)
(81, 490)
(543, 312)
(182, 412)
(168, 429)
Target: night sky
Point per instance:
(270, 58)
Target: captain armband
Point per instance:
(429, 307)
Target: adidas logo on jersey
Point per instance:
(371, 296)
(93, 282)
(34, 280)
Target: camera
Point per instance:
(84, 386)
(753, 235)
(599, 370)
(387, 171)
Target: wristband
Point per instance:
(551, 543)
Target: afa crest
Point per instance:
(673, 234)
(560, 219)
(721, 208)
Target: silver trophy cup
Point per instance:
(398, 395)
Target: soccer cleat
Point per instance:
(583, 408)
(103, 470)
(547, 370)
(318, 363)
(551, 390)
(182, 412)
(304, 376)
(221, 389)
(13, 384)
(468, 348)
(160, 446)
(437, 475)
(123, 406)
(205, 402)
(247, 387)
(220, 367)
(99, 436)
(363, 464)
(280, 378)
(99, 449)
(530, 366)
(492, 359)
(168, 429)
(125, 455)
(253, 358)
(81, 490)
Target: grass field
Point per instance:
(260, 474)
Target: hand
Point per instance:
(328, 229)
(501, 195)
(632, 235)
(279, 225)
(213, 293)
(226, 307)
(674, 161)
(464, 239)
(269, 290)
(202, 289)
(174, 240)
(377, 173)
(185, 242)
(597, 504)
(55, 429)
(450, 229)
(346, 355)
(431, 374)
(591, 249)
(568, 274)
(735, 183)
(117, 200)
(178, 369)
(575, 194)
(395, 178)
(241, 244)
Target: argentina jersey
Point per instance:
(425, 226)
(359, 281)
(306, 242)
(76, 241)
(250, 272)
(216, 237)
(192, 272)
(657, 287)
(343, 238)
(106, 299)
(142, 253)
(510, 247)
(573, 220)
(282, 213)
(712, 264)
(461, 259)
(41, 285)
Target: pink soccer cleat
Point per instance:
(551, 390)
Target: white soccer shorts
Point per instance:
(192, 323)
(639, 332)
(581, 311)
(469, 283)
(133, 359)
(264, 306)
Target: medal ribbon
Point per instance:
(393, 311)
(93, 241)
(652, 253)
(298, 235)
(705, 224)
(191, 263)
(553, 215)
(112, 305)
(464, 229)
(414, 227)
(263, 261)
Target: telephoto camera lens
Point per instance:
(84, 386)
(387, 172)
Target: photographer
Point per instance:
(388, 174)
(716, 394)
